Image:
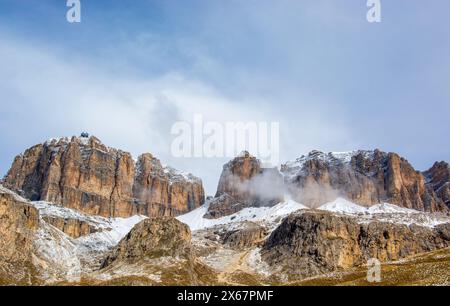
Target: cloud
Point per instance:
(333, 81)
(47, 94)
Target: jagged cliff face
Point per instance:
(264, 239)
(83, 174)
(43, 243)
(19, 222)
(438, 179)
(314, 242)
(364, 177)
(235, 174)
(245, 183)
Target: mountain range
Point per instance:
(75, 211)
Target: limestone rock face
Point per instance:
(248, 235)
(364, 177)
(315, 242)
(236, 174)
(83, 174)
(245, 183)
(162, 191)
(74, 228)
(438, 179)
(223, 205)
(153, 238)
(18, 225)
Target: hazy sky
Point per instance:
(131, 69)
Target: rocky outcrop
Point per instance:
(315, 242)
(438, 179)
(18, 225)
(153, 238)
(164, 191)
(235, 176)
(83, 174)
(158, 249)
(249, 234)
(245, 183)
(223, 205)
(74, 228)
(364, 177)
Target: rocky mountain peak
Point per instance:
(248, 233)
(244, 182)
(146, 163)
(365, 177)
(240, 169)
(153, 238)
(84, 174)
(438, 174)
(334, 158)
(87, 142)
(438, 179)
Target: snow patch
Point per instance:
(56, 255)
(341, 205)
(385, 212)
(195, 220)
(175, 174)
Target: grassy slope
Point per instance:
(426, 269)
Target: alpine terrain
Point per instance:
(74, 211)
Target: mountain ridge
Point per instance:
(258, 229)
(84, 174)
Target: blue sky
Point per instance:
(131, 68)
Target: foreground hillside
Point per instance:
(422, 270)
(287, 244)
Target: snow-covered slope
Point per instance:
(385, 212)
(59, 257)
(111, 230)
(268, 215)
(385, 208)
(74, 256)
(341, 205)
(271, 216)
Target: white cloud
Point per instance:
(45, 94)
